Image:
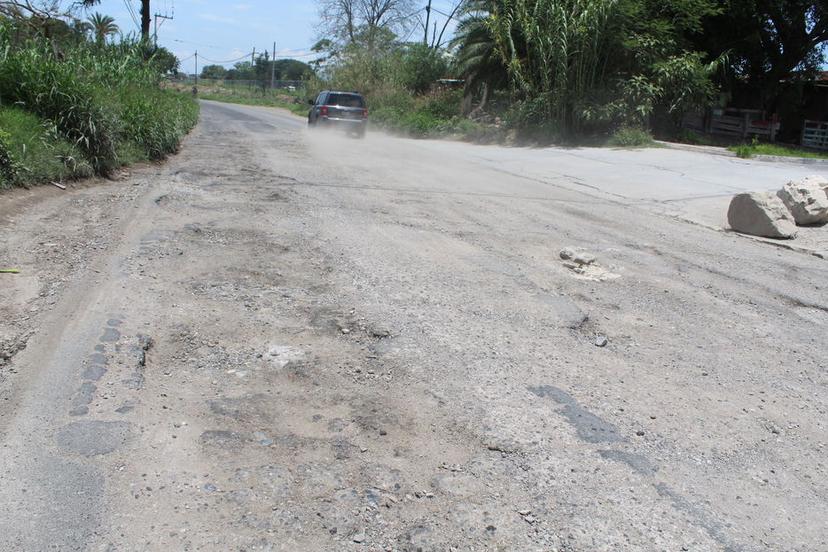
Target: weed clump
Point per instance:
(9, 167)
(630, 137)
(101, 100)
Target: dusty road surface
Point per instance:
(291, 341)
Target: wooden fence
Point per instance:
(737, 123)
(815, 135)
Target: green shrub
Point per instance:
(98, 98)
(56, 90)
(156, 119)
(38, 153)
(444, 105)
(630, 138)
(9, 167)
(419, 67)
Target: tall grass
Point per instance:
(33, 78)
(9, 166)
(98, 97)
(555, 52)
(31, 151)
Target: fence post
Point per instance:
(745, 124)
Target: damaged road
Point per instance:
(283, 340)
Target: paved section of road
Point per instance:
(691, 186)
(284, 340)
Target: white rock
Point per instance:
(567, 253)
(760, 214)
(806, 199)
(577, 255)
(282, 355)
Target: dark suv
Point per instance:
(345, 110)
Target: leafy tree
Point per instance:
(583, 63)
(81, 27)
(45, 9)
(366, 21)
(292, 69)
(213, 72)
(103, 26)
(164, 61)
(768, 42)
(243, 70)
(661, 75)
(476, 57)
(420, 66)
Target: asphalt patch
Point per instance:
(110, 335)
(93, 437)
(589, 427)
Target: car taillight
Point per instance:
(365, 113)
(324, 111)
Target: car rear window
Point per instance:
(346, 100)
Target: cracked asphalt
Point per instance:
(290, 340)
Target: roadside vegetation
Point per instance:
(599, 72)
(746, 151)
(567, 71)
(73, 104)
(32, 152)
(249, 83)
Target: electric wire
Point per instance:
(131, 11)
(198, 44)
(227, 61)
(445, 14)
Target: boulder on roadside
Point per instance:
(760, 214)
(806, 199)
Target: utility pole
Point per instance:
(253, 57)
(145, 20)
(195, 90)
(273, 68)
(428, 18)
(155, 30)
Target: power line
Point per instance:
(413, 28)
(198, 44)
(293, 56)
(131, 11)
(445, 14)
(227, 61)
(412, 14)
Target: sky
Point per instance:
(225, 31)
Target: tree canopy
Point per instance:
(581, 62)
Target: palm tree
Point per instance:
(82, 28)
(478, 59)
(103, 26)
